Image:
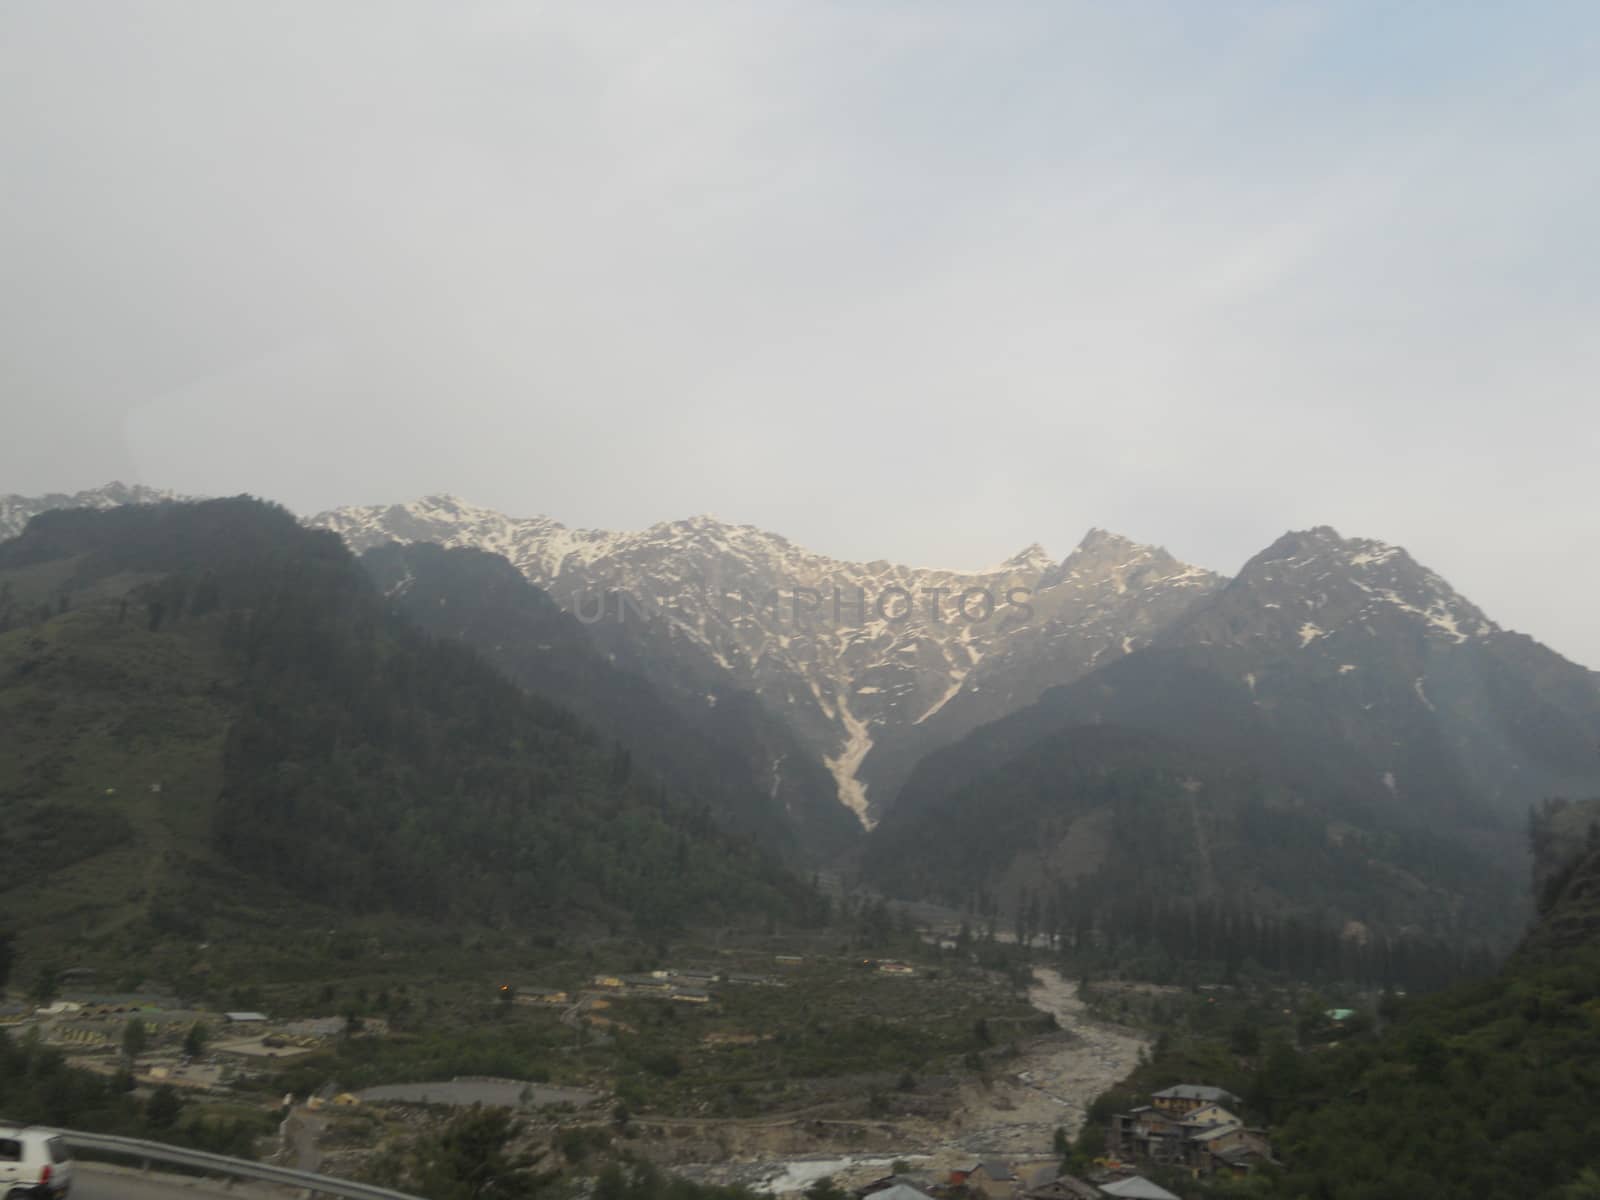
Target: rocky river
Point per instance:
(1012, 1116)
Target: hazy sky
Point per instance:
(918, 280)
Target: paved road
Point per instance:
(92, 1181)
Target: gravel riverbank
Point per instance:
(1013, 1116)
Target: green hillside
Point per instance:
(1483, 1090)
(1112, 842)
(715, 753)
(208, 712)
(1335, 735)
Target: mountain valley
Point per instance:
(1334, 729)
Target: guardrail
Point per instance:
(232, 1168)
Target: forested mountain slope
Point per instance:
(204, 705)
(1379, 720)
(1483, 1090)
(16, 511)
(1123, 845)
(833, 677)
(704, 752)
(864, 666)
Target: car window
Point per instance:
(10, 1150)
(60, 1152)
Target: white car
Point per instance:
(34, 1162)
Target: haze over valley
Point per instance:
(876, 601)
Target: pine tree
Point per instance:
(135, 1037)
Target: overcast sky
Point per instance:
(920, 281)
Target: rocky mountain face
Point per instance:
(838, 675)
(1359, 693)
(869, 664)
(1351, 642)
(1358, 669)
(1351, 678)
(1110, 597)
(720, 754)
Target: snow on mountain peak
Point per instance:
(1096, 538)
(863, 655)
(847, 651)
(1127, 564)
(16, 511)
(1032, 557)
(1358, 579)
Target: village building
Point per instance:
(1137, 1187)
(697, 976)
(1186, 1097)
(1234, 1151)
(992, 1178)
(648, 983)
(1048, 1183)
(1209, 1114)
(121, 1001)
(1147, 1134)
(903, 1186)
(1187, 1127)
(166, 1022)
(898, 1191)
(318, 1027)
(534, 996)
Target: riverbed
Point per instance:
(1013, 1116)
(1051, 1085)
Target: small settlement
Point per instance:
(185, 1047)
(1186, 1130)
(1189, 1127)
(997, 1180)
(1189, 1131)
(686, 986)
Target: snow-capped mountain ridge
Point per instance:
(871, 665)
(16, 511)
(1320, 583)
(1435, 704)
(852, 654)
(1108, 598)
(490, 529)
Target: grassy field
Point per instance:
(105, 775)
